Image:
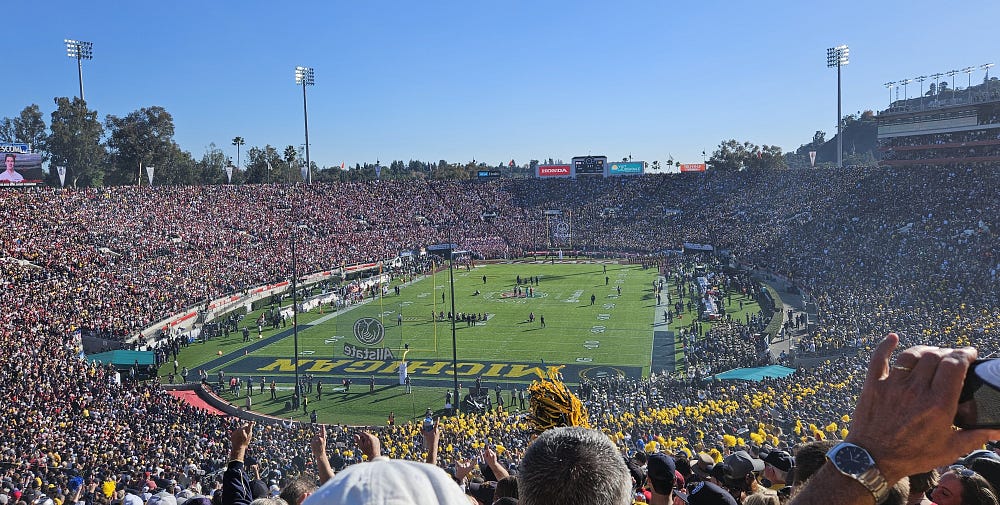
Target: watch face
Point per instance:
(852, 459)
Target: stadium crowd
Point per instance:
(881, 250)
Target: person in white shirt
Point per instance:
(10, 175)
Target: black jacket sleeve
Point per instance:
(236, 485)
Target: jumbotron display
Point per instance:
(21, 166)
(590, 165)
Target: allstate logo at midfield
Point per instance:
(369, 331)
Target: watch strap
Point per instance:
(876, 483)
(872, 479)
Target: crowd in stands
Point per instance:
(878, 250)
(940, 138)
(958, 152)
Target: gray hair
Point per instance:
(573, 465)
(269, 501)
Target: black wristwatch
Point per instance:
(855, 462)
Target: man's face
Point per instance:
(9, 162)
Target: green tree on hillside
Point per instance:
(145, 137)
(28, 127)
(257, 171)
(75, 143)
(733, 155)
(211, 169)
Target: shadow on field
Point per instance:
(543, 278)
(342, 397)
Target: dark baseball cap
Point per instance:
(778, 459)
(660, 470)
(740, 465)
(706, 493)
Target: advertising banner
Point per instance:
(554, 171)
(692, 167)
(626, 168)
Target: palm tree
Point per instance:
(290, 155)
(238, 141)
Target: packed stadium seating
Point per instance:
(912, 251)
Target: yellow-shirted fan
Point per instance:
(553, 405)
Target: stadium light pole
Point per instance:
(951, 73)
(921, 80)
(889, 85)
(986, 67)
(969, 71)
(906, 94)
(290, 208)
(81, 51)
(838, 57)
(456, 405)
(295, 311)
(306, 76)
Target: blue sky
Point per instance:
(490, 81)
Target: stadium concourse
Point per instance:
(876, 250)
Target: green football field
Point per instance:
(612, 334)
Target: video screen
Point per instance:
(20, 166)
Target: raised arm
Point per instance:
(491, 459)
(318, 446)
(431, 439)
(903, 420)
(235, 481)
(369, 444)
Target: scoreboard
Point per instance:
(590, 165)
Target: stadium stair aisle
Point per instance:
(663, 355)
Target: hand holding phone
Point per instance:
(979, 402)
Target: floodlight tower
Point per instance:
(838, 57)
(889, 85)
(906, 94)
(951, 73)
(969, 71)
(921, 80)
(937, 77)
(306, 76)
(986, 67)
(81, 51)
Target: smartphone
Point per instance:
(979, 403)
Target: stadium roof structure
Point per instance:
(756, 374)
(123, 358)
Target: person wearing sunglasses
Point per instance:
(962, 486)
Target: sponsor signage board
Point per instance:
(554, 171)
(626, 168)
(692, 167)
